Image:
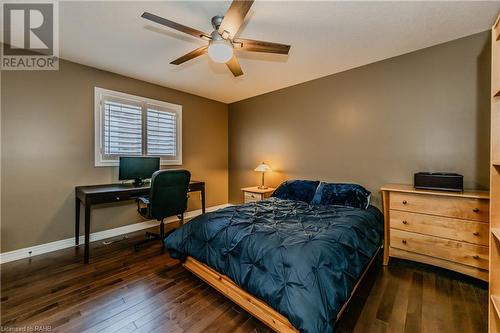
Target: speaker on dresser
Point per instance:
(442, 181)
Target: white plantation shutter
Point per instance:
(162, 133)
(127, 125)
(122, 129)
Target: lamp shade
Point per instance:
(220, 51)
(263, 167)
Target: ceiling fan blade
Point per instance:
(191, 55)
(234, 66)
(235, 16)
(174, 25)
(261, 46)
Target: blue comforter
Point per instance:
(303, 260)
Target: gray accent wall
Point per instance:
(380, 123)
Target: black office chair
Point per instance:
(168, 197)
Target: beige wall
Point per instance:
(48, 148)
(423, 111)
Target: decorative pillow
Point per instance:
(299, 190)
(351, 195)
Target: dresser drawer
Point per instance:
(112, 197)
(251, 197)
(464, 253)
(461, 230)
(462, 208)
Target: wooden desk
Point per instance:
(109, 193)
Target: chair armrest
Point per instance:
(143, 205)
(144, 200)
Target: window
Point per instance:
(127, 125)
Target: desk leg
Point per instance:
(87, 234)
(77, 221)
(203, 199)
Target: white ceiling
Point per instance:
(326, 38)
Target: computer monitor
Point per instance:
(138, 168)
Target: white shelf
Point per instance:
(496, 233)
(496, 304)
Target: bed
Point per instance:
(292, 264)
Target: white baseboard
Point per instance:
(96, 236)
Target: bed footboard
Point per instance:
(251, 304)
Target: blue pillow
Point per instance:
(299, 190)
(351, 195)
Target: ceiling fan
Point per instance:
(221, 42)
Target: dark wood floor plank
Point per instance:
(128, 329)
(473, 308)
(183, 307)
(172, 304)
(123, 290)
(481, 294)
(39, 294)
(386, 306)
(444, 305)
(349, 318)
(199, 320)
(179, 320)
(370, 309)
(414, 310)
(429, 303)
(228, 321)
(251, 325)
(46, 306)
(114, 270)
(398, 316)
(166, 293)
(461, 318)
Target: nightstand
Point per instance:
(254, 193)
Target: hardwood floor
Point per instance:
(126, 291)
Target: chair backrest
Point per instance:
(169, 190)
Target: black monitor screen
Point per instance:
(138, 168)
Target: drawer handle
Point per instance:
(405, 222)
(476, 210)
(405, 202)
(404, 241)
(117, 198)
(476, 233)
(475, 257)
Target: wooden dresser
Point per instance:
(445, 229)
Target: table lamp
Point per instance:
(263, 168)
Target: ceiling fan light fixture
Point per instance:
(220, 50)
(221, 43)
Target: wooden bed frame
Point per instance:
(250, 303)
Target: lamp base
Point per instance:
(262, 187)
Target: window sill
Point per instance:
(116, 163)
